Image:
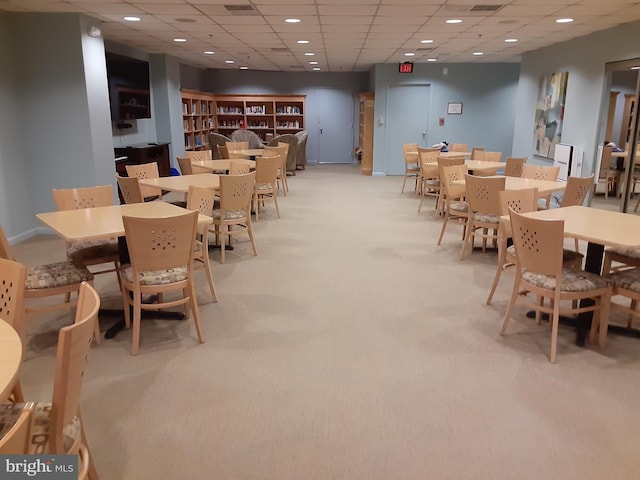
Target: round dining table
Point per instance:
(10, 358)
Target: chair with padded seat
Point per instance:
(15, 428)
(429, 181)
(484, 211)
(301, 154)
(606, 174)
(239, 167)
(145, 171)
(281, 150)
(541, 172)
(411, 164)
(458, 147)
(161, 251)
(513, 166)
(90, 252)
(236, 192)
(475, 151)
(454, 206)
(12, 283)
(57, 427)
(265, 187)
(244, 135)
(540, 272)
(48, 280)
(292, 152)
(231, 146)
(199, 155)
(188, 168)
(202, 200)
(486, 156)
(575, 192)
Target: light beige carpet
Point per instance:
(351, 348)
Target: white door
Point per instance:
(407, 117)
(335, 125)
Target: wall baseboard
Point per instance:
(21, 237)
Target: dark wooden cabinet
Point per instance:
(144, 153)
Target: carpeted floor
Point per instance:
(352, 347)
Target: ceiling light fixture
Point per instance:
(454, 20)
(180, 40)
(316, 68)
(209, 52)
(229, 61)
(564, 20)
(426, 41)
(409, 54)
(292, 20)
(309, 54)
(302, 41)
(244, 68)
(511, 40)
(432, 59)
(635, 68)
(313, 63)
(477, 54)
(132, 19)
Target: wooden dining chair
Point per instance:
(89, 252)
(15, 428)
(237, 146)
(198, 155)
(541, 172)
(429, 181)
(454, 206)
(202, 200)
(575, 193)
(606, 174)
(281, 150)
(539, 271)
(458, 147)
(223, 152)
(513, 166)
(411, 164)
(626, 283)
(50, 280)
(12, 283)
(130, 189)
(239, 167)
(486, 156)
(161, 251)
(475, 151)
(484, 211)
(144, 171)
(185, 165)
(265, 187)
(236, 192)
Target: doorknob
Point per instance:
(424, 134)
(321, 131)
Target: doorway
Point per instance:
(335, 125)
(407, 117)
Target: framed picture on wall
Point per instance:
(454, 108)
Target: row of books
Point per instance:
(293, 124)
(288, 110)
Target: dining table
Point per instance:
(599, 228)
(251, 153)
(11, 350)
(222, 165)
(181, 183)
(100, 223)
(544, 187)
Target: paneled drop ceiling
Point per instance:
(343, 35)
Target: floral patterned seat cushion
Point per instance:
(570, 258)
(56, 275)
(264, 186)
(627, 279)
(40, 426)
(433, 182)
(626, 252)
(459, 206)
(83, 252)
(486, 217)
(572, 280)
(229, 214)
(157, 277)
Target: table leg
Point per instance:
(593, 264)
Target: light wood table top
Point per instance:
(181, 183)
(445, 154)
(106, 222)
(517, 183)
(604, 227)
(251, 152)
(214, 165)
(10, 358)
(478, 165)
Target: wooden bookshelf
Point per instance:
(365, 136)
(266, 115)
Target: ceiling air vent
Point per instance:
(241, 9)
(485, 8)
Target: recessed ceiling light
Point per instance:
(313, 63)
(209, 52)
(426, 41)
(511, 40)
(316, 68)
(292, 20)
(302, 41)
(228, 61)
(244, 68)
(180, 40)
(454, 20)
(477, 54)
(432, 59)
(635, 68)
(564, 20)
(132, 19)
(409, 54)
(309, 54)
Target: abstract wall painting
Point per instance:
(547, 131)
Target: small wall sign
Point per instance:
(454, 108)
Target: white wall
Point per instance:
(587, 90)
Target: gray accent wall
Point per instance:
(487, 92)
(587, 88)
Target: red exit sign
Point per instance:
(406, 67)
